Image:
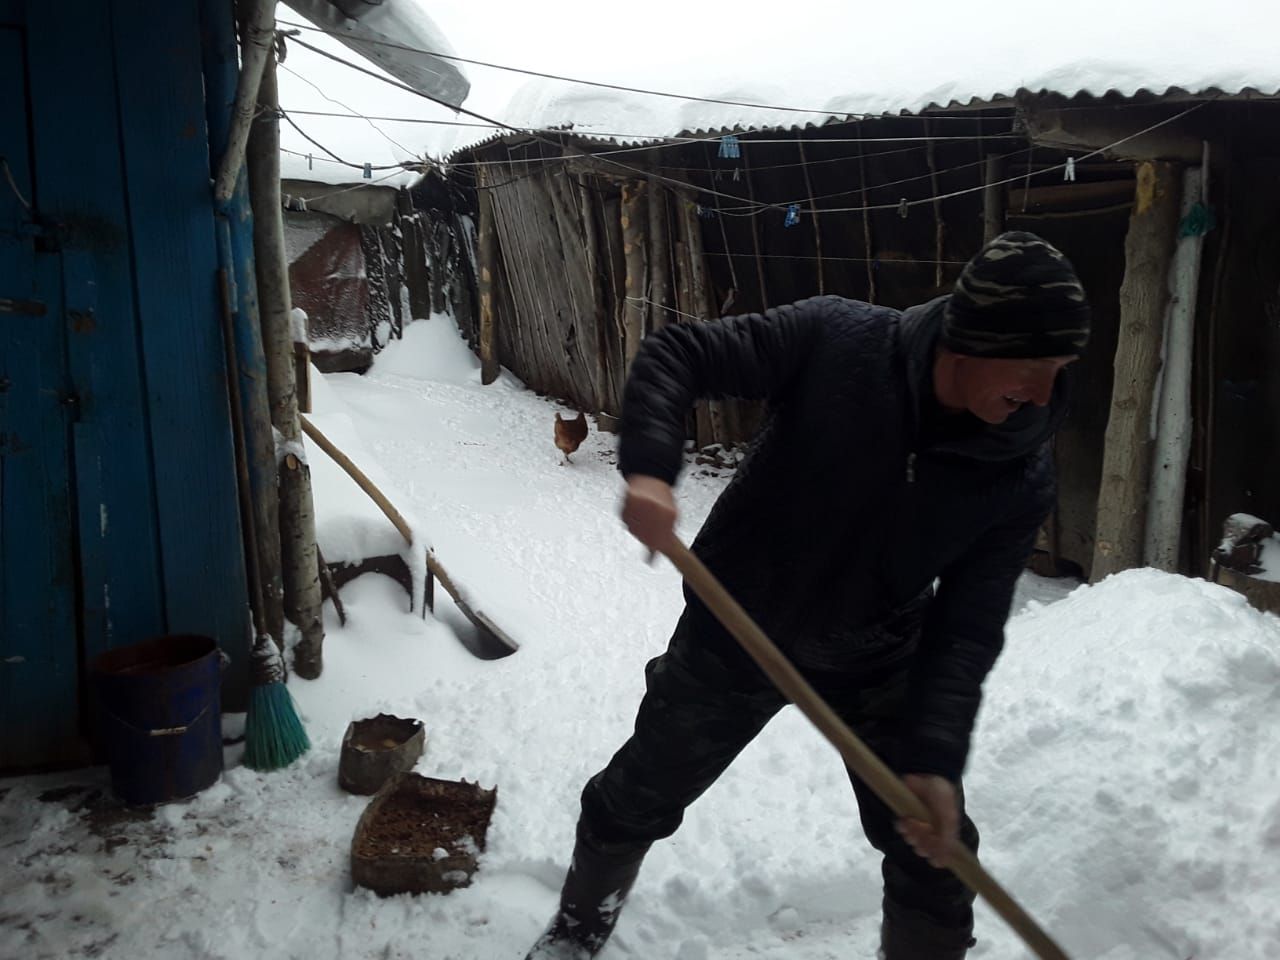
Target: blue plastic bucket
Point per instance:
(161, 721)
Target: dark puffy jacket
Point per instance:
(838, 518)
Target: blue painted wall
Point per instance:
(118, 512)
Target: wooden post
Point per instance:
(258, 31)
(993, 199)
(302, 595)
(634, 254)
(659, 262)
(755, 235)
(301, 359)
(1173, 433)
(939, 226)
(487, 268)
(591, 237)
(813, 212)
(1126, 458)
(866, 221)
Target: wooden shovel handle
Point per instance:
(378, 497)
(870, 768)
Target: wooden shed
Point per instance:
(584, 246)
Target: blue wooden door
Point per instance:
(39, 669)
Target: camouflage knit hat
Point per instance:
(1019, 297)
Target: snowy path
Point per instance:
(1126, 775)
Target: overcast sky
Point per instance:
(804, 53)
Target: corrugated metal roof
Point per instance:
(996, 101)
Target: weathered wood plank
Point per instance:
(167, 156)
(635, 254)
(659, 262)
(486, 266)
(122, 597)
(39, 717)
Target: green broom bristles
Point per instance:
(274, 736)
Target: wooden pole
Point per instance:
(258, 31)
(813, 213)
(302, 595)
(635, 284)
(993, 199)
(1126, 458)
(859, 758)
(710, 413)
(939, 226)
(487, 268)
(302, 360)
(866, 221)
(1173, 433)
(599, 320)
(659, 263)
(755, 235)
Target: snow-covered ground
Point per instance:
(1126, 774)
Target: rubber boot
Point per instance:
(912, 935)
(594, 890)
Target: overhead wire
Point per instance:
(608, 86)
(760, 206)
(351, 112)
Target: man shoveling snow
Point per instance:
(901, 449)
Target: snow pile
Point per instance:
(1125, 774)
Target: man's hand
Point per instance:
(935, 842)
(649, 511)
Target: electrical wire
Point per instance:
(351, 112)
(826, 112)
(762, 206)
(336, 159)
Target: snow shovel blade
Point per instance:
(491, 641)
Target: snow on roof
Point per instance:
(832, 60)
(874, 63)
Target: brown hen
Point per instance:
(570, 434)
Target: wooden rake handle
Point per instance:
(887, 786)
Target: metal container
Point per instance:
(160, 717)
(376, 749)
(421, 835)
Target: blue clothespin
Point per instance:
(793, 215)
(368, 171)
(730, 149)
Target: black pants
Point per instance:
(705, 701)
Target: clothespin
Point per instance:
(730, 148)
(1069, 174)
(368, 171)
(902, 208)
(737, 174)
(309, 162)
(793, 215)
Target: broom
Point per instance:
(273, 734)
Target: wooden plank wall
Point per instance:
(120, 186)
